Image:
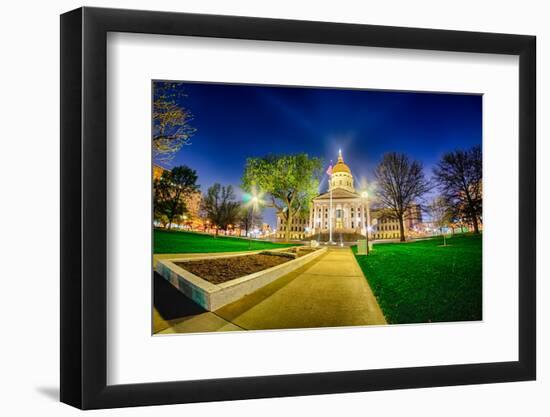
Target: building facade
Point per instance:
(298, 230)
(351, 213)
(350, 209)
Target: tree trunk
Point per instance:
(476, 226)
(288, 223)
(473, 214)
(401, 229)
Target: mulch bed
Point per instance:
(221, 270)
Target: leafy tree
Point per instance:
(400, 182)
(441, 214)
(459, 176)
(220, 206)
(289, 181)
(171, 128)
(170, 191)
(249, 218)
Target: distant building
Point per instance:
(266, 229)
(298, 229)
(386, 226)
(193, 205)
(157, 171)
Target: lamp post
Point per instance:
(253, 205)
(365, 196)
(329, 173)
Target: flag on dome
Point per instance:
(329, 170)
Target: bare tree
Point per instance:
(400, 182)
(249, 218)
(220, 206)
(171, 128)
(459, 176)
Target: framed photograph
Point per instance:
(257, 208)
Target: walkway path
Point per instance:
(330, 291)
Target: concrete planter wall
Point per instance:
(213, 296)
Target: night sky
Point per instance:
(234, 122)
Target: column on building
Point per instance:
(311, 211)
(324, 216)
(332, 216)
(347, 216)
(315, 215)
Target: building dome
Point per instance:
(341, 175)
(340, 165)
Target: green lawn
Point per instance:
(187, 242)
(422, 281)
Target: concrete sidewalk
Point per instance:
(328, 292)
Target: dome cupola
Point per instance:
(340, 165)
(341, 175)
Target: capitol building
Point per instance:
(350, 209)
(351, 214)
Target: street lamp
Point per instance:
(254, 202)
(365, 196)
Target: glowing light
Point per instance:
(365, 194)
(254, 199)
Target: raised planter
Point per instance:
(214, 296)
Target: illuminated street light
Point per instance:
(254, 200)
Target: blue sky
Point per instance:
(237, 121)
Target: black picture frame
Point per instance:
(84, 207)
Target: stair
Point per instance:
(338, 237)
